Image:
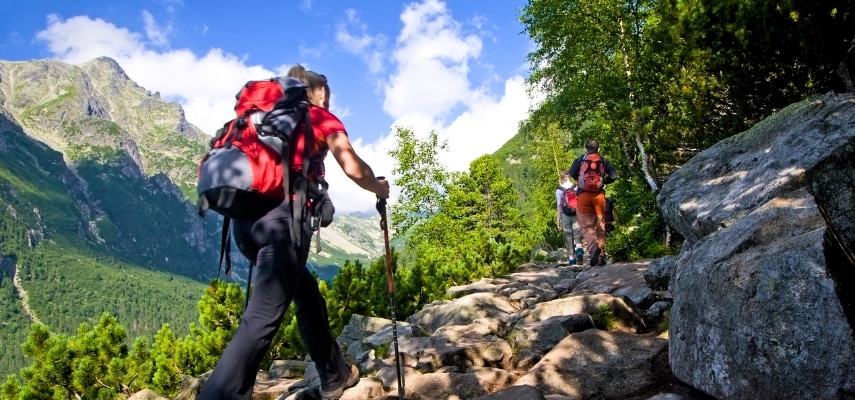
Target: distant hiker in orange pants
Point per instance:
(592, 172)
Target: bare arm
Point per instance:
(354, 167)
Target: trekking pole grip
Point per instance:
(381, 203)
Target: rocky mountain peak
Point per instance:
(107, 64)
(78, 109)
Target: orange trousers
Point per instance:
(590, 214)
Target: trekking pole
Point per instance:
(381, 208)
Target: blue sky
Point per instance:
(454, 67)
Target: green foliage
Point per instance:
(347, 295)
(97, 363)
(456, 228)
(88, 365)
(664, 324)
(739, 62)
(66, 285)
(657, 82)
(604, 318)
(220, 309)
(638, 241)
(15, 324)
(11, 388)
(383, 351)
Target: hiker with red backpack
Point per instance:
(592, 172)
(276, 241)
(565, 197)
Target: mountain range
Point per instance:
(97, 206)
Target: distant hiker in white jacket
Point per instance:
(567, 223)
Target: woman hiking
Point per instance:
(281, 275)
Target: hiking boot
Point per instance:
(571, 260)
(602, 261)
(335, 393)
(595, 256)
(580, 255)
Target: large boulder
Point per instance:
(761, 301)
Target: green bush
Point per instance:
(644, 239)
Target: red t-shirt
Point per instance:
(324, 125)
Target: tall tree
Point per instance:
(484, 201)
(590, 57)
(750, 59)
(421, 178)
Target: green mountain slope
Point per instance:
(514, 158)
(67, 270)
(95, 173)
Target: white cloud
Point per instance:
(431, 85)
(80, 39)
(432, 58)
(171, 4)
(366, 46)
(204, 85)
(156, 34)
(487, 124)
(306, 6)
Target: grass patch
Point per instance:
(604, 318)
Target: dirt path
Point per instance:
(22, 294)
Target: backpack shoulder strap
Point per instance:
(301, 183)
(225, 248)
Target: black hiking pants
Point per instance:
(280, 277)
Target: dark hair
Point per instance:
(312, 80)
(592, 146)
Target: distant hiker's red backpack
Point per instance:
(592, 172)
(568, 200)
(248, 170)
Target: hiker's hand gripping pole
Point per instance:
(381, 208)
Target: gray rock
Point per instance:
(598, 364)
(659, 272)
(758, 308)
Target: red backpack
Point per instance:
(248, 170)
(592, 172)
(568, 200)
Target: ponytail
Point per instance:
(311, 79)
(299, 72)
